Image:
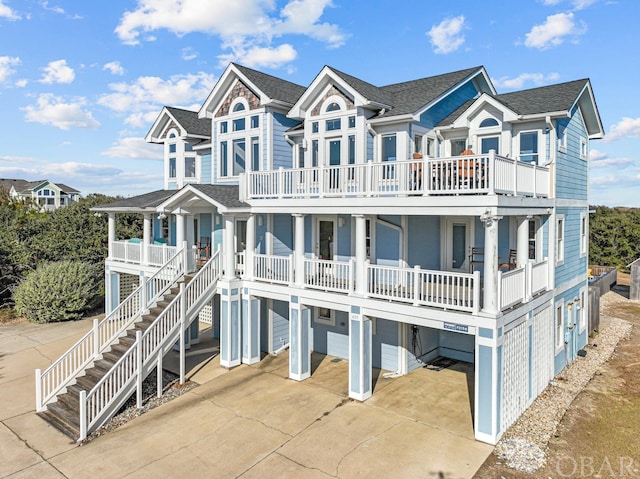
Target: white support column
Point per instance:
(180, 237)
(299, 347)
(189, 235)
(250, 248)
(108, 293)
(490, 262)
(361, 255)
(230, 326)
(360, 355)
(111, 232)
(146, 237)
(229, 247)
(250, 328)
(298, 250)
(522, 241)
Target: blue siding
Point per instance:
(388, 241)
(218, 231)
(157, 227)
(282, 151)
(332, 340)
(573, 265)
(422, 346)
(205, 168)
(369, 147)
(308, 240)
(485, 389)
(280, 335)
(172, 230)
(444, 107)
(571, 171)
(577, 340)
(172, 185)
(424, 241)
(457, 346)
(282, 235)
(343, 252)
(385, 345)
(205, 226)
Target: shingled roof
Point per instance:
(274, 87)
(546, 99)
(410, 96)
(559, 97)
(189, 121)
(140, 202)
(26, 187)
(367, 90)
(226, 195)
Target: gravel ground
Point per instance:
(524, 444)
(171, 390)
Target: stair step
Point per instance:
(87, 382)
(63, 419)
(70, 402)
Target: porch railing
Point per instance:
(240, 263)
(329, 275)
(519, 285)
(457, 291)
(273, 268)
(128, 252)
(476, 174)
(57, 376)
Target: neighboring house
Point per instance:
(388, 226)
(49, 196)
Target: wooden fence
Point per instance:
(601, 279)
(634, 282)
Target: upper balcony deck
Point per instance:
(488, 174)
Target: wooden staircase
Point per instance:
(64, 414)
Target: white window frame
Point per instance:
(583, 309)
(584, 148)
(248, 134)
(323, 136)
(558, 332)
(328, 321)
(541, 147)
(560, 239)
(584, 234)
(562, 140)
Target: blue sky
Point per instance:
(82, 82)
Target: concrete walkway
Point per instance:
(250, 422)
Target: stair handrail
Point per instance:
(57, 376)
(161, 331)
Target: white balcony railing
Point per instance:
(273, 269)
(519, 285)
(240, 263)
(477, 174)
(329, 275)
(130, 252)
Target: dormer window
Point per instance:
(333, 106)
(487, 122)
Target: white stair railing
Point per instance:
(97, 406)
(56, 377)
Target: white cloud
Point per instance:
(577, 4)
(22, 83)
(595, 155)
(258, 57)
(134, 148)
(625, 128)
(6, 67)
(59, 10)
(189, 53)
(143, 98)
(114, 68)
(6, 12)
(58, 72)
(242, 25)
(607, 162)
(553, 31)
(518, 82)
(447, 37)
(53, 110)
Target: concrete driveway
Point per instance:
(250, 422)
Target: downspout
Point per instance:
(440, 138)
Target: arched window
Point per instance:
(488, 122)
(333, 106)
(172, 135)
(238, 107)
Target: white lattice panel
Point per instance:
(515, 374)
(542, 350)
(128, 284)
(206, 314)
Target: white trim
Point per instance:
(329, 321)
(584, 234)
(560, 236)
(583, 309)
(446, 237)
(558, 337)
(584, 148)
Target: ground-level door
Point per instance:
(458, 234)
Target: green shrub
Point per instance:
(61, 291)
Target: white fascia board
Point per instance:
(593, 109)
(389, 120)
(478, 104)
(160, 127)
(542, 116)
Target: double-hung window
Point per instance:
(529, 147)
(560, 239)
